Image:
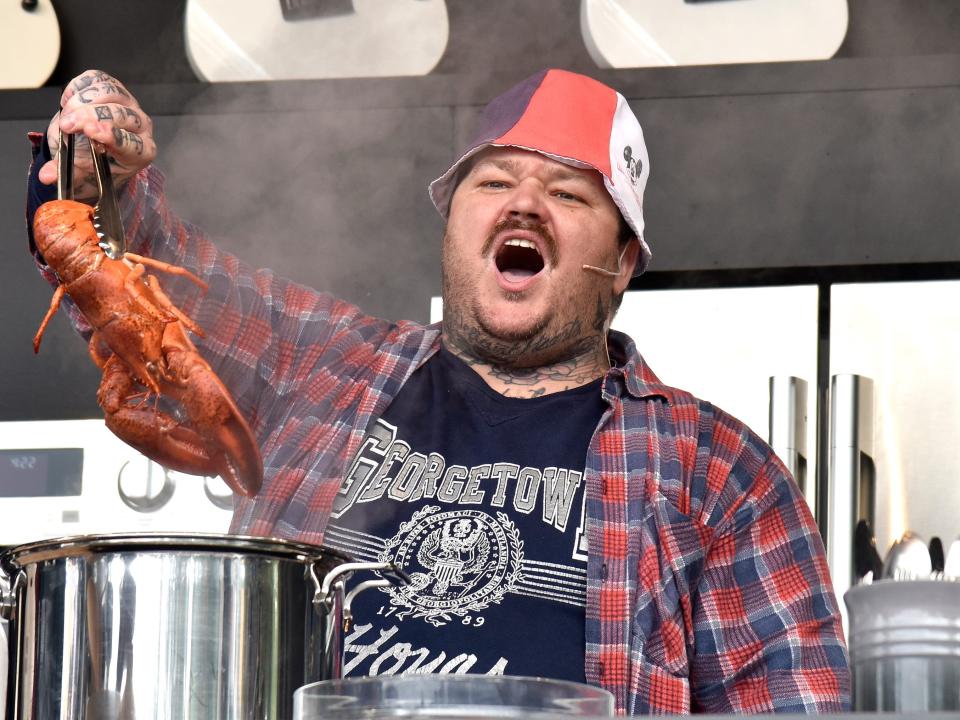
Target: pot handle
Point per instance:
(9, 590)
(333, 583)
(8, 597)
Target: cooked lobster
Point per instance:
(140, 342)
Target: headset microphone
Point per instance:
(604, 271)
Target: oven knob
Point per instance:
(144, 489)
(218, 493)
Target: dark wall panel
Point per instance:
(782, 180)
(891, 28)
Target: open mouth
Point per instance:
(518, 260)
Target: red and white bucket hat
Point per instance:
(575, 120)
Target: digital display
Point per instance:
(43, 472)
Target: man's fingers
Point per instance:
(48, 173)
(99, 94)
(84, 88)
(97, 107)
(128, 148)
(119, 116)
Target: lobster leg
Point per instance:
(132, 282)
(93, 347)
(167, 304)
(167, 268)
(51, 311)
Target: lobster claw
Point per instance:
(158, 436)
(214, 440)
(212, 414)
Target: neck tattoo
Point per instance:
(584, 363)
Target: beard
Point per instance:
(566, 330)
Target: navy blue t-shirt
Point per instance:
(480, 499)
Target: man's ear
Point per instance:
(631, 256)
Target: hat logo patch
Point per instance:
(634, 165)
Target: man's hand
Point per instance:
(96, 106)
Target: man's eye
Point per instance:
(493, 184)
(564, 195)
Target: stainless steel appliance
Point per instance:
(893, 395)
(171, 627)
(789, 425)
(74, 477)
(697, 340)
(904, 337)
(852, 495)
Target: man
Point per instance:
(560, 511)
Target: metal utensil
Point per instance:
(867, 563)
(937, 558)
(65, 167)
(908, 559)
(106, 212)
(951, 565)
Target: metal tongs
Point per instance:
(106, 212)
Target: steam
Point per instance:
(289, 177)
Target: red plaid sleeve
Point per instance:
(766, 626)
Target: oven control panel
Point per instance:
(74, 477)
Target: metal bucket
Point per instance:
(170, 626)
(905, 645)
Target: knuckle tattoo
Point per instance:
(133, 115)
(87, 95)
(117, 89)
(103, 113)
(82, 83)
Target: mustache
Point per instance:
(549, 244)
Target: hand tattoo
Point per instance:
(83, 83)
(89, 93)
(132, 114)
(122, 137)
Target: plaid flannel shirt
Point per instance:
(707, 584)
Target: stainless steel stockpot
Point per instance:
(171, 627)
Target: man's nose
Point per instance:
(526, 202)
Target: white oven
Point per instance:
(74, 477)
